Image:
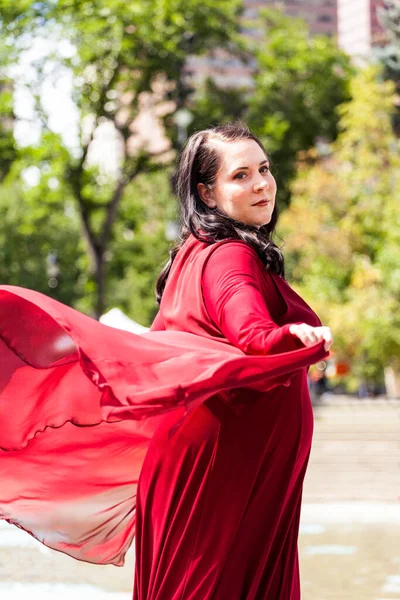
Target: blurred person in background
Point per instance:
(195, 436)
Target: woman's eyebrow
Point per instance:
(243, 168)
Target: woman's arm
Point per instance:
(232, 284)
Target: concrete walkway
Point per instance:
(350, 527)
(356, 452)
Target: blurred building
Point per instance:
(353, 23)
(320, 15)
(228, 71)
(358, 27)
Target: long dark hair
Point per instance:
(200, 162)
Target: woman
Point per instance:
(211, 407)
(231, 476)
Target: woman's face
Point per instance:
(244, 189)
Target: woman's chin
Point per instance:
(262, 223)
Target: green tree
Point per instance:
(389, 53)
(125, 58)
(8, 151)
(212, 104)
(389, 17)
(341, 230)
(40, 245)
(300, 80)
(140, 244)
(298, 83)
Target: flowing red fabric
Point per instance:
(80, 403)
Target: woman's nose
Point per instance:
(260, 184)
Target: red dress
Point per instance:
(210, 408)
(220, 491)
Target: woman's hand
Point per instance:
(312, 335)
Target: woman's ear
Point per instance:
(205, 194)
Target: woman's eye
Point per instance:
(241, 175)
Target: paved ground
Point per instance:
(356, 452)
(350, 533)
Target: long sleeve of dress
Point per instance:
(234, 293)
(158, 323)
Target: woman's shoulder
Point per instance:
(221, 247)
(231, 255)
(217, 257)
(232, 248)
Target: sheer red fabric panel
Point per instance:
(79, 402)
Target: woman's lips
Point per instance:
(261, 203)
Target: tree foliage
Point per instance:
(40, 242)
(8, 150)
(300, 81)
(389, 17)
(126, 61)
(341, 230)
(124, 58)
